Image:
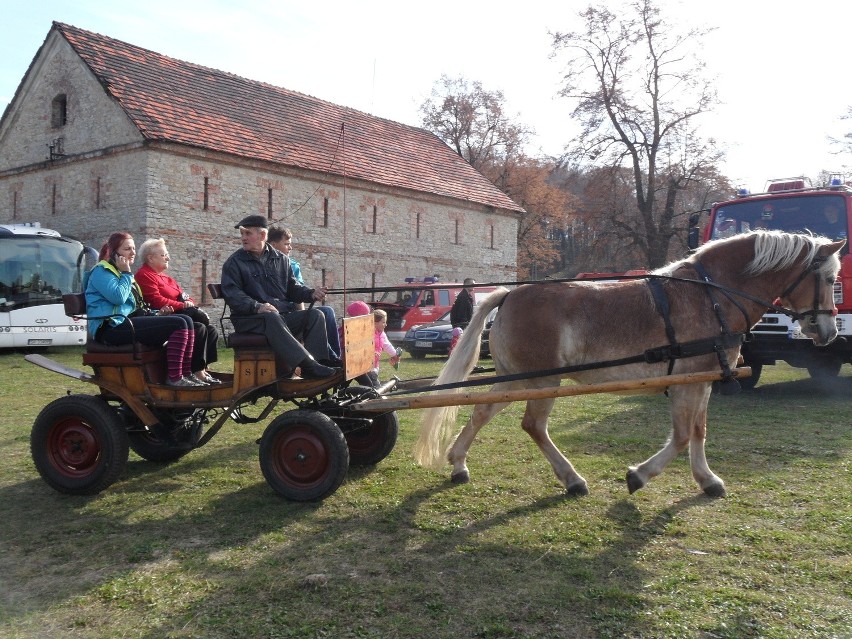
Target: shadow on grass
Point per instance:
(388, 569)
(456, 576)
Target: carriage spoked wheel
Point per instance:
(303, 455)
(371, 443)
(79, 445)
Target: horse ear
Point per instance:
(830, 249)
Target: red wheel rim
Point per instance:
(300, 457)
(73, 447)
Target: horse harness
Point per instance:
(678, 350)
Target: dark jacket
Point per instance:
(249, 281)
(462, 309)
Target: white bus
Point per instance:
(37, 266)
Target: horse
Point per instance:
(688, 316)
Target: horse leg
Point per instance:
(535, 425)
(457, 454)
(710, 483)
(689, 420)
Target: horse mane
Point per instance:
(773, 251)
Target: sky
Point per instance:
(778, 65)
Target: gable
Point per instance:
(94, 120)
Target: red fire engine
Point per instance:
(794, 206)
(426, 301)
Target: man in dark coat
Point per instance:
(462, 309)
(259, 286)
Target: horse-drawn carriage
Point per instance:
(80, 443)
(661, 331)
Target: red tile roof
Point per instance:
(185, 103)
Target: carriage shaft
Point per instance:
(496, 397)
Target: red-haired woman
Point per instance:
(114, 302)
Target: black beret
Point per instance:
(252, 220)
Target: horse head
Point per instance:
(810, 274)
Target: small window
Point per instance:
(59, 111)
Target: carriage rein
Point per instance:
(676, 350)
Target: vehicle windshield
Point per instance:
(401, 297)
(817, 214)
(38, 270)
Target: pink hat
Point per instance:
(358, 308)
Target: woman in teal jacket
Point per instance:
(117, 316)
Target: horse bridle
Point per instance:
(814, 266)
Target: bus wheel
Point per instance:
(79, 445)
(303, 455)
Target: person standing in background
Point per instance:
(462, 309)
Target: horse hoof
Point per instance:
(634, 482)
(460, 478)
(715, 490)
(578, 490)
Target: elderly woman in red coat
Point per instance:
(162, 292)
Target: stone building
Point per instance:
(102, 136)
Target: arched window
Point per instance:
(59, 111)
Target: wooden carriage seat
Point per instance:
(232, 338)
(247, 346)
(152, 358)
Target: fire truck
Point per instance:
(425, 301)
(791, 205)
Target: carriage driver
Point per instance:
(259, 286)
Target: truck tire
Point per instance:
(748, 383)
(825, 368)
(303, 455)
(79, 445)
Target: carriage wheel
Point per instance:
(150, 447)
(303, 455)
(369, 445)
(79, 445)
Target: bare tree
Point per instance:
(639, 91)
(472, 121)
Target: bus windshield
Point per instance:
(818, 214)
(37, 270)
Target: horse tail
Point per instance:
(436, 425)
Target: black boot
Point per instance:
(312, 369)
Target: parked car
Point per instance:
(434, 338)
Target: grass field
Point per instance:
(204, 548)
